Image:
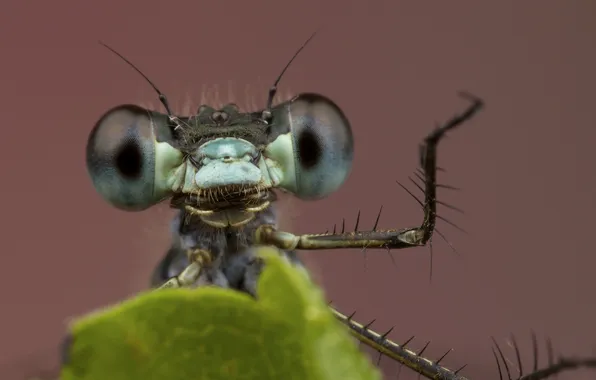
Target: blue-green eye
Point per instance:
(316, 156)
(127, 165)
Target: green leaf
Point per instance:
(213, 333)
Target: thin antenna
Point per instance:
(162, 97)
(273, 89)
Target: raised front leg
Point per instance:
(393, 238)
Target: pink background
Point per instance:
(395, 68)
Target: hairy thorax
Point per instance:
(235, 263)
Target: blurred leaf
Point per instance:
(213, 333)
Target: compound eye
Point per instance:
(123, 159)
(322, 147)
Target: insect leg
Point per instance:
(173, 263)
(392, 238)
(199, 259)
(415, 361)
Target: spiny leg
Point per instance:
(388, 239)
(398, 352)
(420, 176)
(380, 342)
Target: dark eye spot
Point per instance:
(129, 160)
(309, 149)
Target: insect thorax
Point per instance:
(235, 263)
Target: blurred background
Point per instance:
(524, 164)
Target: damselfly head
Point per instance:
(220, 159)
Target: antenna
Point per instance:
(162, 97)
(273, 89)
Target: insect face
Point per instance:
(220, 160)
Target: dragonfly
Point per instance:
(221, 169)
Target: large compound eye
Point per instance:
(128, 166)
(321, 143)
